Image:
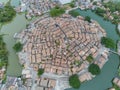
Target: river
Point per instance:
(101, 82)
(18, 24)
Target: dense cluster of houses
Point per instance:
(35, 7)
(61, 45)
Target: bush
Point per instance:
(94, 69)
(57, 11)
(18, 47)
(40, 71)
(107, 42)
(74, 81)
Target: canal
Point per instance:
(109, 71)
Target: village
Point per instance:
(58, 45)
(61, 45)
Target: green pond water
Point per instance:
(18, 23)
(101, 82)
(109, 71)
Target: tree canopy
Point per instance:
(7, 13)
(107, 42)
(18, 47)
(74, 81)
(3, 53)
(94, 69)
(87, 18)
(74, 13)
(56, 11)
(90, 58)
(100, 11)
(40, 71)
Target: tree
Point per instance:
(90, 58)
(57, 11)
(74, 81)
(40, 71)
(91, 0)
(95, 3)
(94, 69)
(107, 42)
(72, 5)
(87, 18)
(100, 11)
(18, 47)
(7, 13)
(74, 13)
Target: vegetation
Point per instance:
(94, 69)
(74, 13)
(77, 62)
(112, 6)
(7, 13)
(100, 11)
(4, 79)
(72, 5)
(57, 11)
(107, 42)
(114, 10)
(116, 87)
(90, 58)
(40, 71)
(3, 53)
(18, 47)
(95, 3)
(87, 18)
(74, 81)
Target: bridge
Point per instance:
(114, 52)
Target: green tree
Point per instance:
(107, 42)
(40, 71)
(87, 18)
(7, 13)
(72, 5)
(100, 11)
(57, 11)
(18, 47)
(95, 3)
(74, 13)
(94, 69)
(74, 81)
(90, 58)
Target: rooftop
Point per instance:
(60, 45)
